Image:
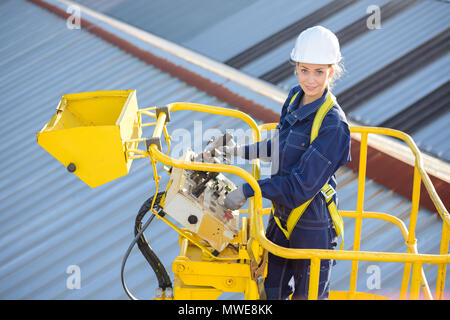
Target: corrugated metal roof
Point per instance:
(216, 29)
(50, 219)
(394, 100)
(249, 23)
(175, 20)
(336, 22)
(434, 138)
(377, 48)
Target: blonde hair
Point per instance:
(339, 71)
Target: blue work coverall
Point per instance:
(303, 170)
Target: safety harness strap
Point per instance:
(327, 190)
(293, 97)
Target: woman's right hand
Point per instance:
(235, 199)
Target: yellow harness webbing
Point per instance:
(326, 190)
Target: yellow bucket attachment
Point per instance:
(89, 133)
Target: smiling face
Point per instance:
(313, 78)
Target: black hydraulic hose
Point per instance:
(124, 261)
(143, 245)
(159, 269)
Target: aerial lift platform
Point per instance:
(96, 136)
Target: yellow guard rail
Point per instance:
(96, 135)
(412, 259)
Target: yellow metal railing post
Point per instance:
(256, 174)
(415, 281)
(414, 210)
(442, 268)
(411, 240)
(405, 281)
(314, 275)
(159, 127)
(359, 208)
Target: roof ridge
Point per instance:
(186, 68)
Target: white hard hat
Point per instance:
(316, 45)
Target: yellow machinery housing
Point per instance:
(89, 134)
(96, 136)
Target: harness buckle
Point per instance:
(328, 193)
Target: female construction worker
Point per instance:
(302, 192)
